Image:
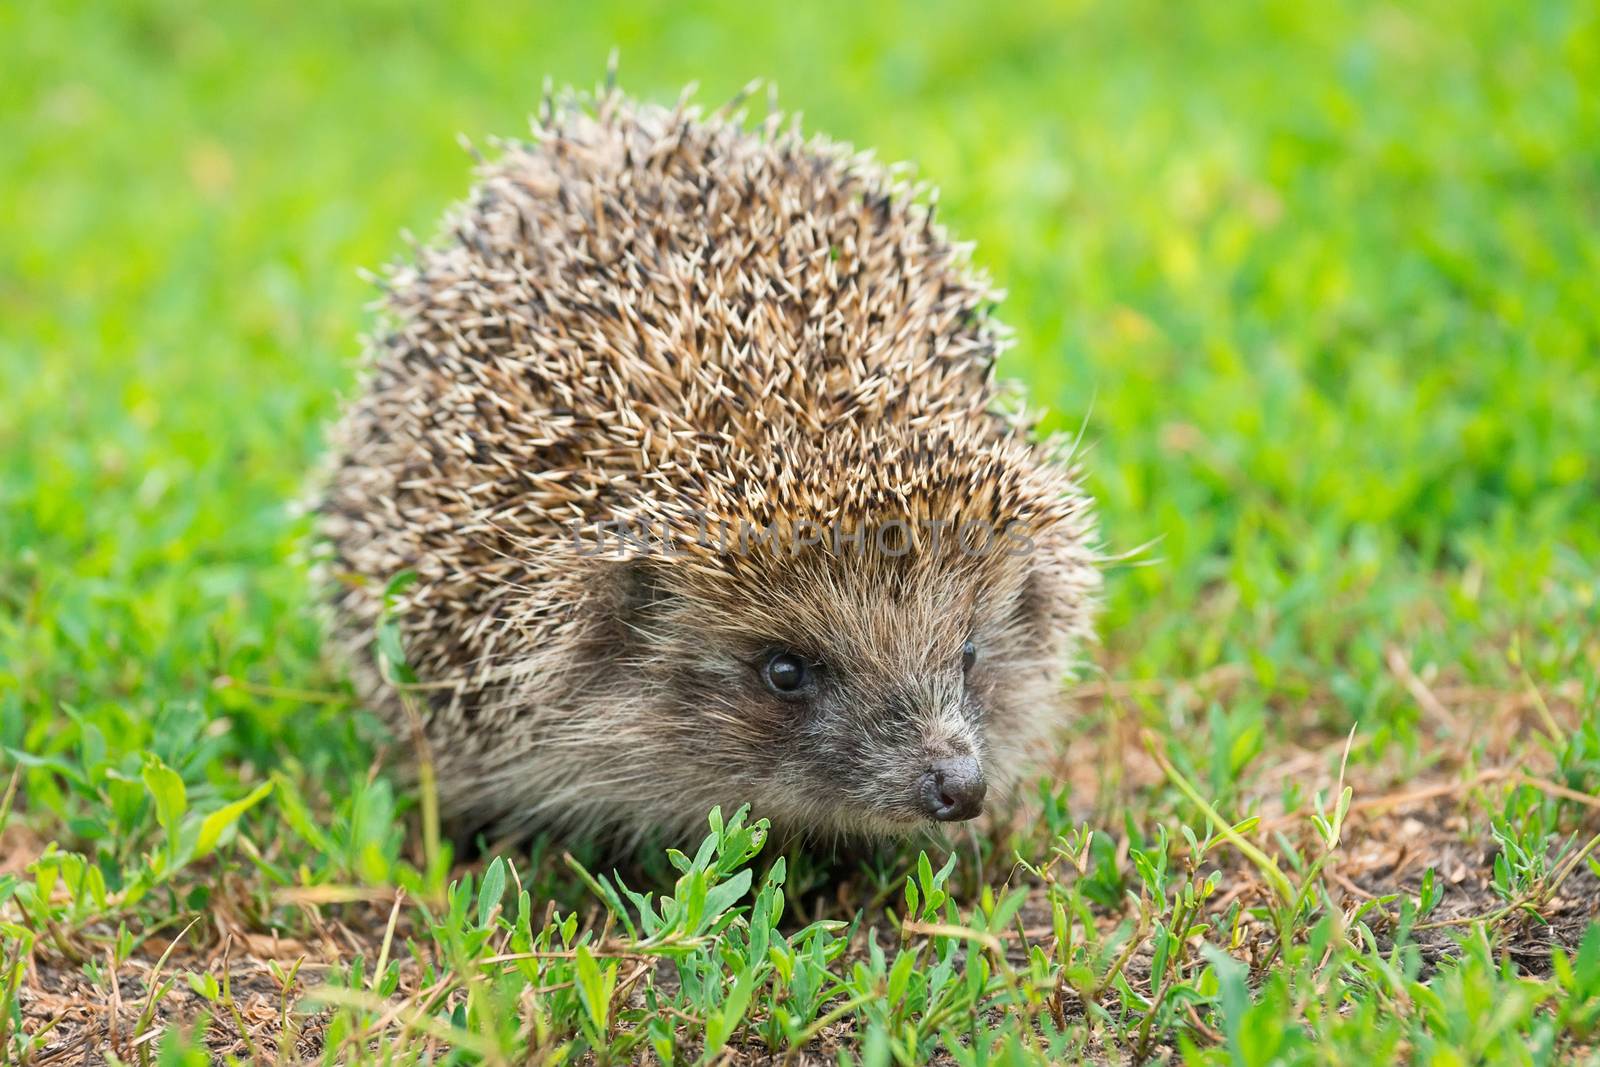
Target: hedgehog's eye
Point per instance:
(786, 674)
(969, 656)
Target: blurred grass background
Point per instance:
(1320, 281)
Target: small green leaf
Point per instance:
(171, 799)
(214, 824)
(205, 985)
(1430, 894)
(493, 888)
(596, 983)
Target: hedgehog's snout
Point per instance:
(952, 789)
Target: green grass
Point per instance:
(1319, 282)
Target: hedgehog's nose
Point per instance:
(952, 790)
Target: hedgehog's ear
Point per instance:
(640, 587)
(624, 595)
(1029, 605)
(638, 591)
(1035, 605)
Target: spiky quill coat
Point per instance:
(662, 321)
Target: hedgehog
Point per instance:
(686, 434)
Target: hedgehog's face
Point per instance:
(860, 702)
(868, 744)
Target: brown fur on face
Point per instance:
(741, 346)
